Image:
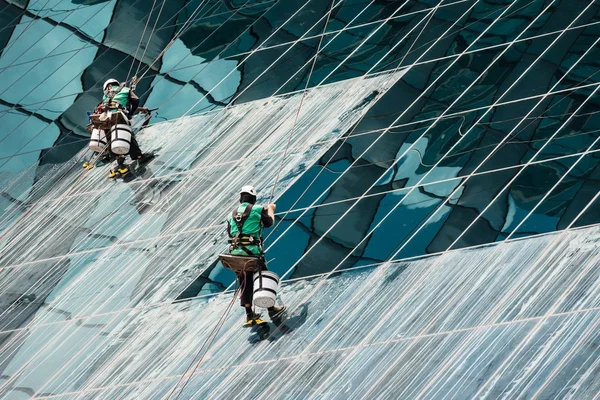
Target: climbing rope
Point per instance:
(377, 98)
(349, 254)
(197, 10)
(207, 343)
(295, 121)
(32, 206)
(278, 28)
(149, 38)
(5, 231)
(142, 39)
(35, 88)
(186, 25)
(29, 25)
(312, 67)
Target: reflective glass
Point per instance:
(434, 165)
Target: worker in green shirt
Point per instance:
(119, 96)
(245, 228)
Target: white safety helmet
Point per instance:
(108, 82)
(248, 189)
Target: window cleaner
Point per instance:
(246, 256)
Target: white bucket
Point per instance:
(265, 289)
(98, 140)
(120, 139)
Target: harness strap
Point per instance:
(246, 250)
(241, 218)
(241, 239)
(246, 239)
(114, 105)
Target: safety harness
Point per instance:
(241, 240)
(115, 105)
(113, 99)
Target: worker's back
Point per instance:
(251, 227)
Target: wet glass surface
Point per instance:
(471, 320)
(428, 126)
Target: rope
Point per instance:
(150, 37)
(183, 29)
(312, 67)
(88, 271)
(37, 86)
(346, 137)
(13, 225)
(415, 41)
(390, 263)
(324, 234)
(435, 60)
(141, 39)
(516, 81)
(10, 157)
(63, 196)
(29, 24)
(207, 342)
(53, 98)
(48, 100)
(205, 228)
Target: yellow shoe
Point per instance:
(86, 165)
(123, 170)
(112, 174)
(253, 320)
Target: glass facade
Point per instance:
(386, 131)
